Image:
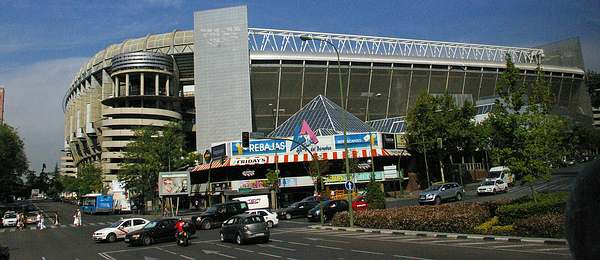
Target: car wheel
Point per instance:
(147, 241)
(438, 200)
(238, 239)
(458, 196)
(111, 237)
(265, 240)
(288, 216)
(270, 224)
(222, 237)
(206, 225)
(495, 191)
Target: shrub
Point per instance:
(492, 206)
(375, 197)
(547, 203)
(456, 218)
(503, 230)
(546, 225)
(486, 227)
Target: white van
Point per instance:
(501, 173)
(255, 202)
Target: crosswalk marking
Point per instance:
(552, 249)
(515, 245)
(479, 243)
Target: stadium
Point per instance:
(222, 78)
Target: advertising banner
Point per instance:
(258, 147)
(218, 151)
(401, 142)
(238, 161)
(358, 177)
(255, 202)
(174, 183)
(361, 140)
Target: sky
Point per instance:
(44, 43)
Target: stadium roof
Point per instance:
(324, 117)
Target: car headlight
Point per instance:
(429, 196)
(135, 236)
(317, 212)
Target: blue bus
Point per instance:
(94, 203)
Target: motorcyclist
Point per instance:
(180, 233)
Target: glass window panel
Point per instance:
(399, 93)
(418, 86)
(455, 82)
(380, 84)
(134, 84)
(263, 85)
(314, 83)
(488, 85)
(438, 82)
(563, 100)
(333, 83)
(555, 86)
(472, 84)
(575, 92)
(358, 92)
(149, 84)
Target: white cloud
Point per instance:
(33, 105)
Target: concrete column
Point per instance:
(156, 84)
(116, 87)
(167, 87)
(127, 84)
(142, 84)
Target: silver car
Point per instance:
(438, 193)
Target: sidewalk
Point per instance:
(541, 240)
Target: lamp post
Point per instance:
(345, 119)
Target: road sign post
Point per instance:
(349, 186)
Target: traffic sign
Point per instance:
(349, 185)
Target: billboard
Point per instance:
(174, 183)
(259, 147)
(255, 202)
(356, 140)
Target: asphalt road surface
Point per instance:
(290, 240)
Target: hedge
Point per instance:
(547, 225)
(547, 203)
(453, 218)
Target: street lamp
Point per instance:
(344, 118)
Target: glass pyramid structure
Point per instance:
(324, 117)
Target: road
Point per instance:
(290, 240)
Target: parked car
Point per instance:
(270, 217)
(159, 230)
(438, 193)
(360, 203)
(297, 209)
(330, 207)
(492, 187)
(244, 227)
(215, 215)
(119, 229)
(9, 219)
(310, 198)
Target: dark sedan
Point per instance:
(330, 207)
(297, 209)
(242, 228)
(159, 230)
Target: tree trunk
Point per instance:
(532, 193)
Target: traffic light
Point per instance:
(245, 139)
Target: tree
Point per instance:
(152, 150)
(523, 134)
(13, 162)
(375, 197)
(89, 179)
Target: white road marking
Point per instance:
(552, 249)
(245, 250)
(165, 250)
(420, 239)
(329, 247)
(278, 247)
(448, 241)
(479, 243)
(515, 245)
(276, 256)
(327, 240)
(410, 257)
(297, 243)
(72, 225)
(367, 252)
(186, 257)
(32, 228)
(225, 246)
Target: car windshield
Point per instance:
(495, 174)
(116, 224)
(151, 225)
(10, 215)
(211, 210)
(253, 220)
(433, 187)
(485, 183)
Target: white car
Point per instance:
(492, 187)
(9, 219)
(270, 217)
(119, 229)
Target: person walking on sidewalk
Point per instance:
(77, 218)
(56, 222)
(40, 221)
(20, 221)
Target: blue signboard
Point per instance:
(349, 185)
(259, 147)
(355, 140)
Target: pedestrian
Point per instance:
(77, 218)
(56, 222)
(40, 221)
(19, 221)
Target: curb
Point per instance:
(550, 241)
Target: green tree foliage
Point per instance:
(435, 117)
(375, 197)
(592, 81)
(13, 162)
(272, 179)
(152, 150)
(523, 135)
(89, 179)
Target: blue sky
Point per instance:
(43, 43)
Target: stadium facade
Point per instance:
(223, 78)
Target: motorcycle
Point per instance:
(183, 239)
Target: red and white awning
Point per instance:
(292, 158)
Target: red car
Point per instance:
(360, 203)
